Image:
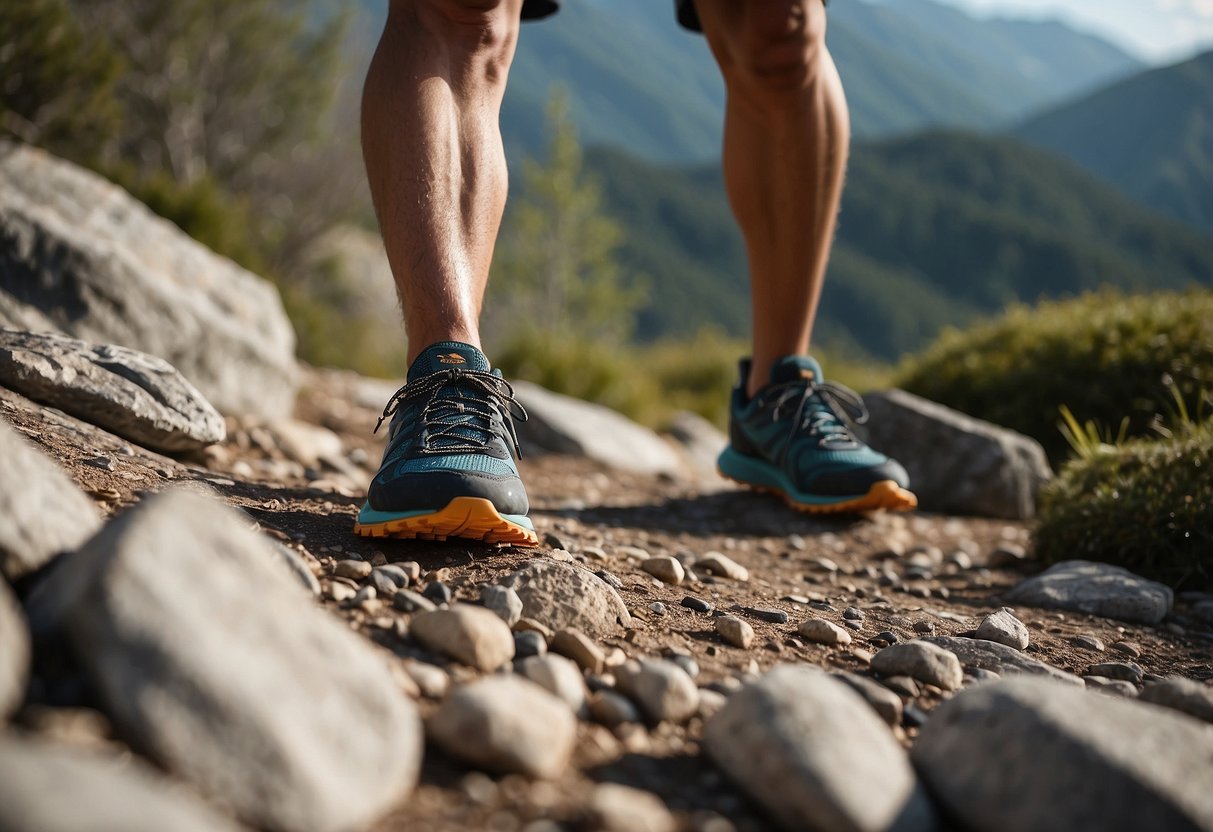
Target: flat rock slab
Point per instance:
(92, 793)
(812, 752)
(209, 659)
(565, 425)
(14, 653)
(42, 512)
(506, 724)
(81, 256)
(988, 470)
(565, 596)
(1096, 589)
(999, 658)
(129, 393)
(1027, 753)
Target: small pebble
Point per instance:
(341, 592)
(885, 636)
(437, 593)
(735, 631)
(1127, 648)
(902, 686)
(576, 645)
(383, 584)
(1088, 642)
(610, 709)
(432, 681)
(920, 660)
(529, 643)
(687, 663)
(1124, 671)
(1004, 628)
(610, 579)
(924, 627)
(657, 607)
(502, 600)
(665, 569)
(853, 614)
(767, 614)
(663, 690)
(823, 632)
(696, 604)
(353, 569)
(722, 566)
(406, 600)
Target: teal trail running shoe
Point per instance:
(449, 469)
(794, 438)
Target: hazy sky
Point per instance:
(1156, 30)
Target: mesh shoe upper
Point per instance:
(451, 435)
(802, 425)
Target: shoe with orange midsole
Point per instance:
(795, 438)
(885, 494)
(449, 467)
(464, 517)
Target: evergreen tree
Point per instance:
(556, 263)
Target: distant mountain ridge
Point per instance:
(639, 82)
(1150, 135)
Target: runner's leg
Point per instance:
(434, 158)
(785, 147)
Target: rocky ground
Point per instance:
(656, 606)
(191, 638)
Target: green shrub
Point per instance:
(1104, 356)
(1146, 505)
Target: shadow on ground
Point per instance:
(735, 513)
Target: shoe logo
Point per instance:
(451, 358)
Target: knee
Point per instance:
(780, 49)
(481, 31)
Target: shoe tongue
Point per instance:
(447, 355)
(794, 367)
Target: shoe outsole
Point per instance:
(885, 494)
(471, 518)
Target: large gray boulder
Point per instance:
(46, 787)
(14, 652)
(129, 393)
(1095, 589)
(958, 464)
(564, 425)
(209, 659)
(1027, 753)
(811, 752)
(42, 512)
(79, 255)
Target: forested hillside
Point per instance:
(935, 229)
(1150, 135)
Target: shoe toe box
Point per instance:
(433, 482)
